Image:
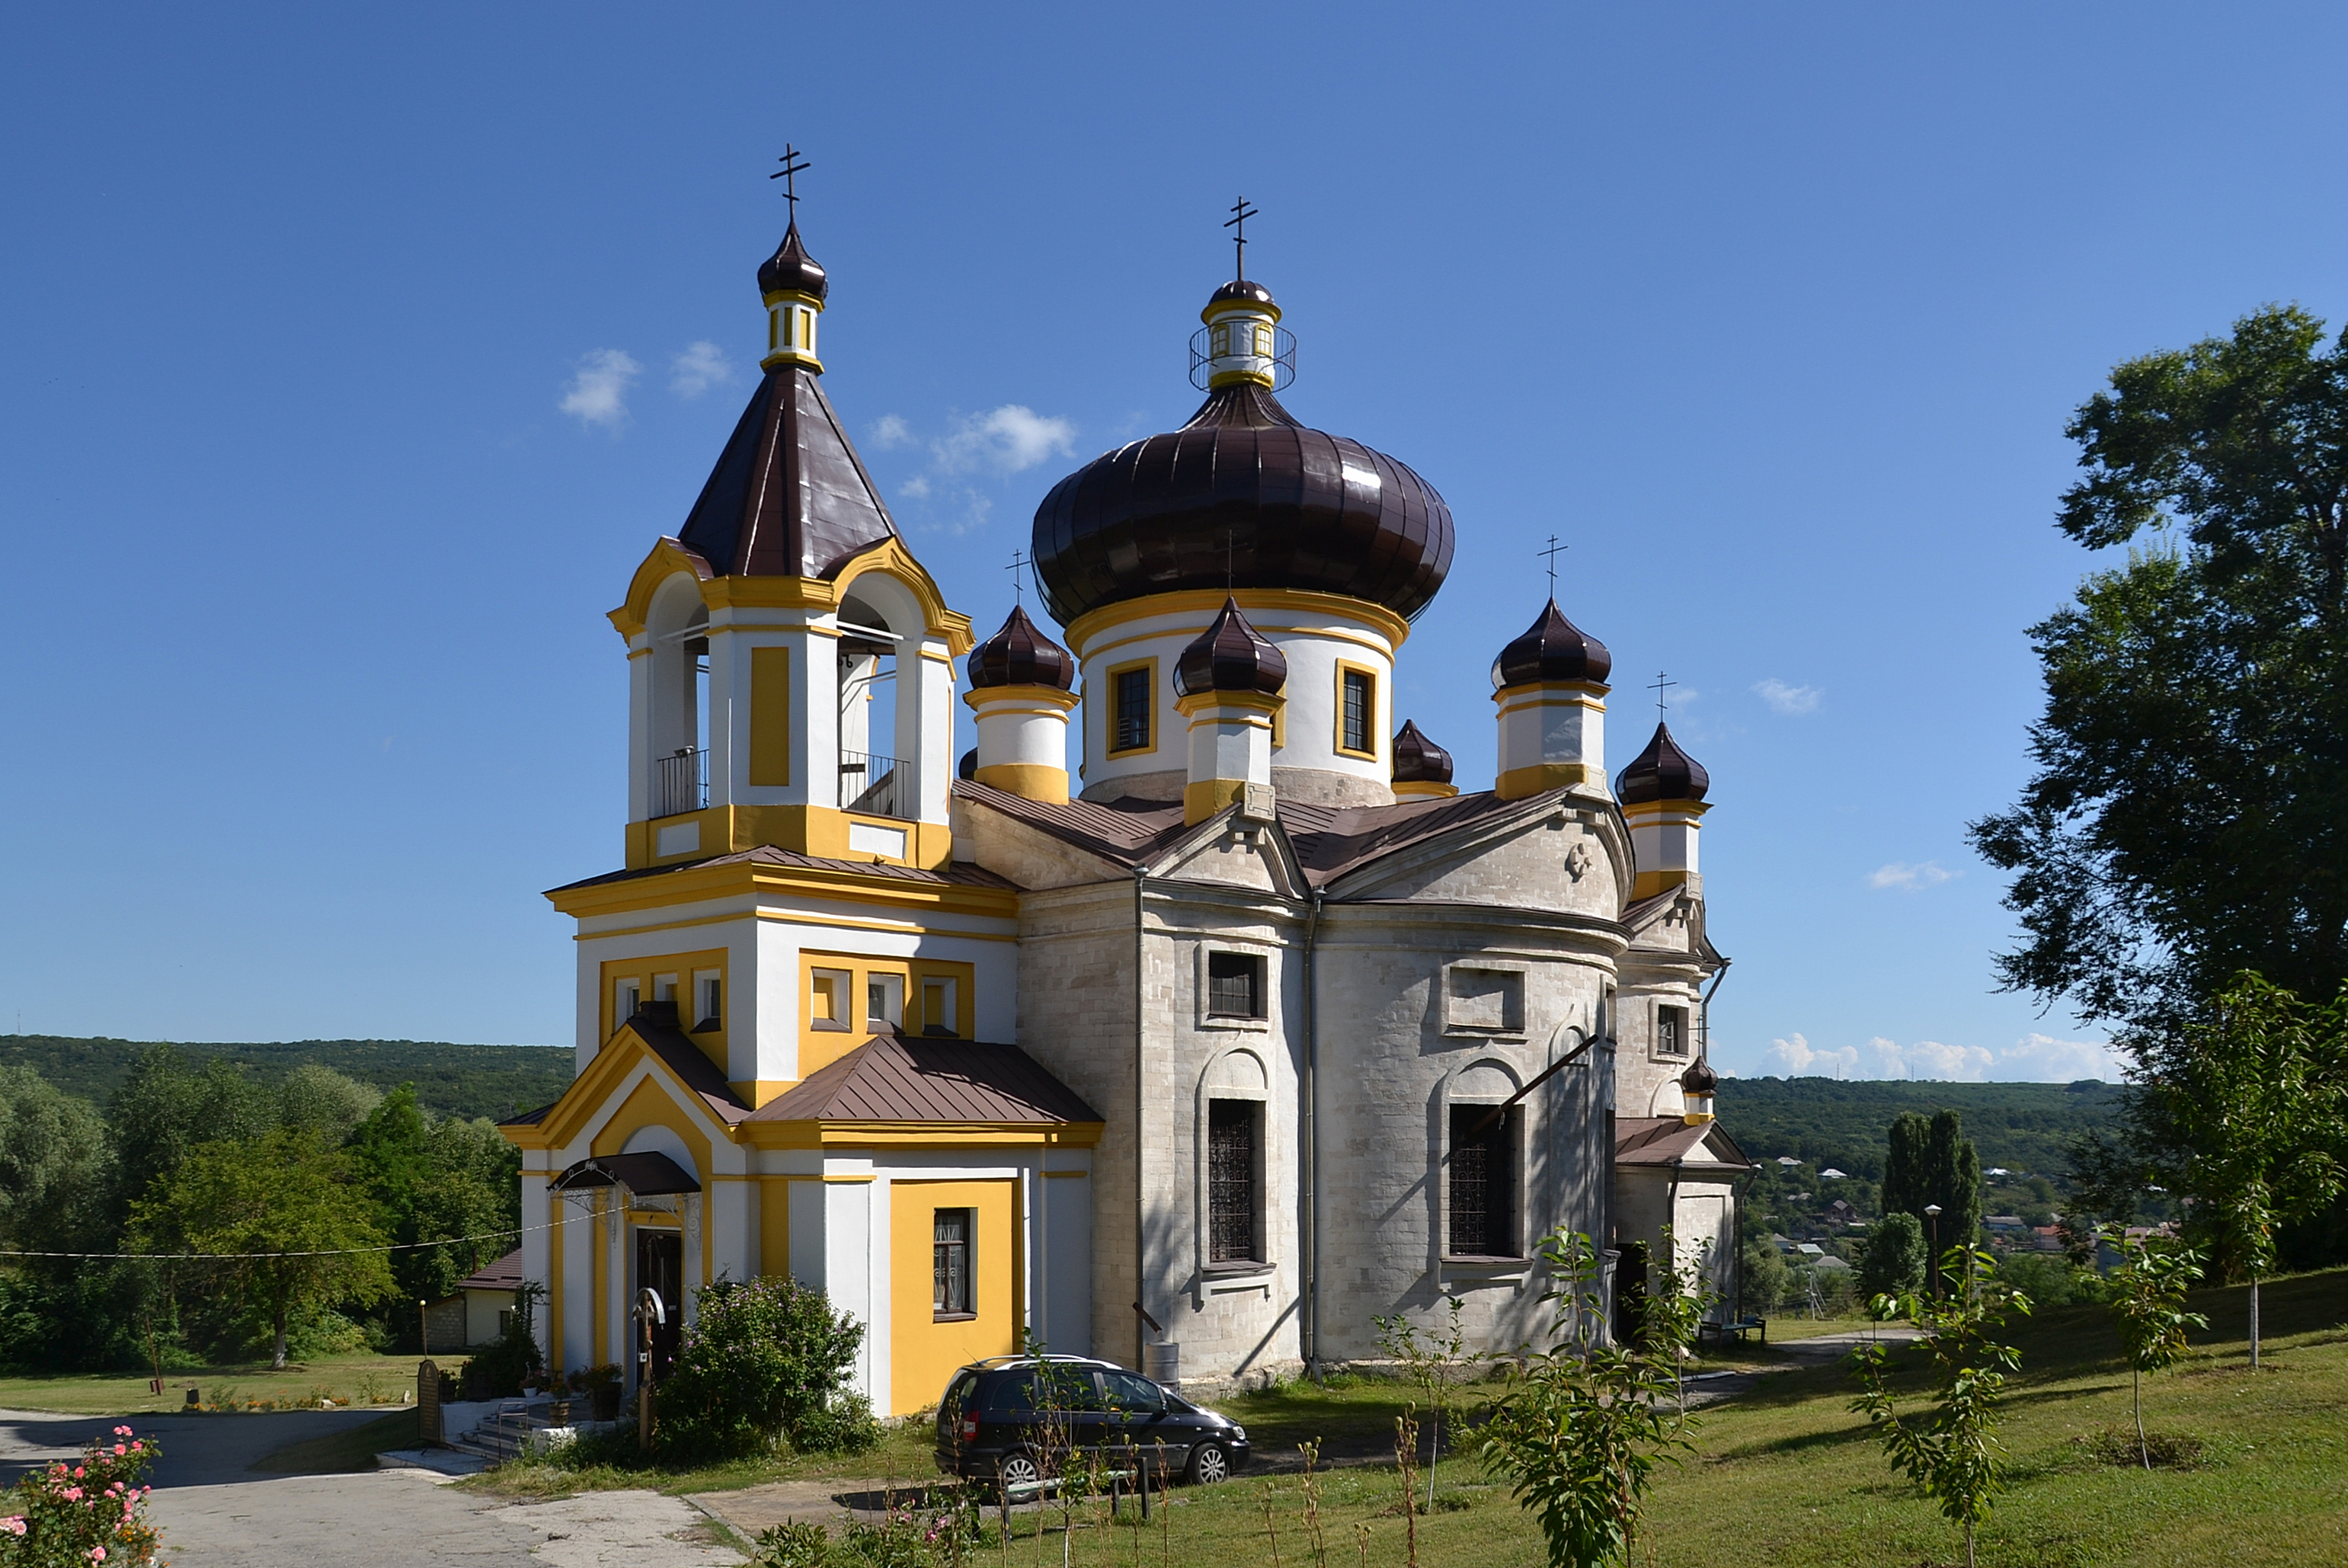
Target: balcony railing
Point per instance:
(868, 783)
(680, 782)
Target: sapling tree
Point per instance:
(2148, 1304)
(1429, 1361)
(1676, 1308)
(1583, 1424)
(1952, 1452)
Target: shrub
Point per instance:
(764, 1362)
(81, 1515)
(500, 1371)
(1891, 1260)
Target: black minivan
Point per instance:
(1014, 1418)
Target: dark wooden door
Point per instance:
(660, 1265)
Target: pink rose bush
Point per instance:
(70, 1516)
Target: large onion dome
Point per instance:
(1231, 656)
(1661, 772)
(1552, 649)
(1419, 760)
(1699, 1079)
(791, 270)
(1019, 655)
(1241, 496)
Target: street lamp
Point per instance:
(1932, 1213)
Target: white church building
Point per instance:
(1194, 1019)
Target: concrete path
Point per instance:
(216, 1513)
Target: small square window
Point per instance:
(1671, 1031)
(1234, 985)
(884, 1001)
(828, 999)
(950, 1280)
(708, 1002)
(1132, 702)
(1361, 698)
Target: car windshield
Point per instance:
(1126, 1391)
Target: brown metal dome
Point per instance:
(1661, 772)
(1419, 760)
(1241, 496)
(1019, 655)
(1231, 656)
(791, 270)
(1552, 649)
(1244, 291)
(1699, 1079)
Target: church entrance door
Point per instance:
(660, 1265)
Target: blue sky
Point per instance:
(321, 455)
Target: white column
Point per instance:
(925, 682)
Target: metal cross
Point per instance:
(1019, 564)
(1237, 223)
(793, 166)
(1658, 685)
(1553, 552)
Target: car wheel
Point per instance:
(1210, 1463)
(1017, 1470)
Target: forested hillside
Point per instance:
(2023, 1126)
(451, 1079)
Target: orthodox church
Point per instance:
(1253, 1030)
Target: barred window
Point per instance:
(1232, 1178)
(950, 1294)
(1360, 710)
(1234, 985)
(1483, 1183)
(1132, 710)
(1671, 1031)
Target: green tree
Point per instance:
(1907, 1163)
(317, 1099)
(2242, 1108)
(1955, 1183)
(1891, 1262)
(1952, 1453)
(280, 1222)
(52, 1161)
(1583, 1424)
(2148, 1304)
(2189, 810)
(165, 1108)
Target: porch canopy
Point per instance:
(637, 1175)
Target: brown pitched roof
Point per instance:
(503, 1275)
(1330, 841)
(789, 496)
(900, 1077)
(957, 874)
(1669, 1140)
(655, 1023)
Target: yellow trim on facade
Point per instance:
(1203, 603)
(698, 884)
(1374, 726)
(1425, 790)
(1256, 707)
(891, 558)
(1024, 698)
(785, 917)
(770, 716)
(1589, 693)
(1518, 783)
(554, 1290)
(820, 830)
(819, 1049)
(1647, 884)
(666, 559)
(1029, 780)
(1662, 810)
(1221, 308)
(924, 1349)
(683, 966)
(1202, 798)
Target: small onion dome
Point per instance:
(1241, 292)
(968, 767)
(1661, 772)
(790, 270)
(1231, 656)
(1699, 1079)
(1419, 760)
(1019, 655)
(1552, 649)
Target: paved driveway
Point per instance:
(216, 1513)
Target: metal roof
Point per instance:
(647, 1175)
(902, 1077)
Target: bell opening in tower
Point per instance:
(872, 779)
(679, 763)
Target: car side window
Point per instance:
(1126, 1391)
(1013, 1392)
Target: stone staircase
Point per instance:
(518, 1427)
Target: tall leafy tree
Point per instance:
(1933, 1163)
(2189, 817)
(1906, 1164)
(279, 1222)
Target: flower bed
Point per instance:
(74, 1515)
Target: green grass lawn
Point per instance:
(356, 1380)
(1785, 1477)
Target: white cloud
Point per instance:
(701, 366)
(1908, 878)
(1931, 1059)
(918, 487)
(889, 432)
(1801, 1059)
(1793, 701)
(1009, 440)
(2043, 1059)
(598, 393)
